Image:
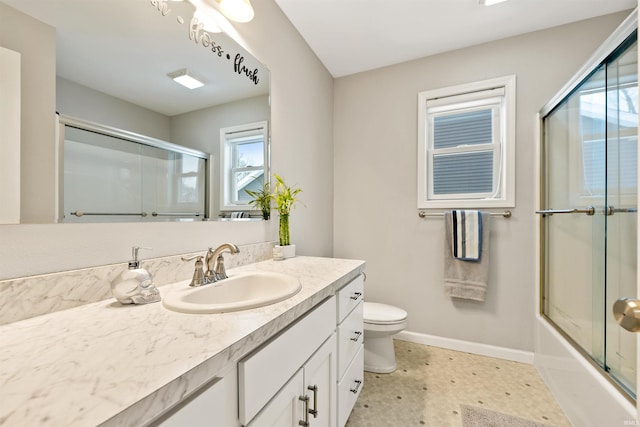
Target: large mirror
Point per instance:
(115, 62)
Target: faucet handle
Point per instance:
(198, 274)
(220, 273)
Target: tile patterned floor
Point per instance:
(431, 383)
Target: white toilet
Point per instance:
(381, 322)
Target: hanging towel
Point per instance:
(466, 279)
(466, 235)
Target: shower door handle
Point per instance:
(589, 210)
(627, 313)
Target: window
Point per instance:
(466, 145)
(244, 155)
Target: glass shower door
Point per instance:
(621, 208)
(590, 196)
(575, 174)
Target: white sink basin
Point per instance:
(241, 291)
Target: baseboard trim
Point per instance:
(467, 346)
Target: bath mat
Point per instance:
(473, 416)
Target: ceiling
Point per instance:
(351, 36)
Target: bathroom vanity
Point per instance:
(114, 365)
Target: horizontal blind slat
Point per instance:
(469, 128)
(463, 173)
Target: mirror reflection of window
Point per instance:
(244, 157)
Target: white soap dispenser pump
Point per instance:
(135, 285)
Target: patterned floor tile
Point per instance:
(431, 383)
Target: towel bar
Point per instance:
(505, 214)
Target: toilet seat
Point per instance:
(383, 314)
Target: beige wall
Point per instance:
(36, 43)
(375, 119)
(301, 123)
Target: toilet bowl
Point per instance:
(381, 322)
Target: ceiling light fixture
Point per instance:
(234, 10)
(490, 2)
(237, 10)
(185, 79)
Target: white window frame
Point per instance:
(499, 94)
(229, 138)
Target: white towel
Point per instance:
(466, 279)
(466, 237)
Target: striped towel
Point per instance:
(466, 235)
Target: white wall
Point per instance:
(375, 137)
(301, 121)
(75, 100)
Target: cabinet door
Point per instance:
(285, 409)
(320, 384)
(215, 404)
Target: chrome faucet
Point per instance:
(198, 274)
(215, 262)
(215, 265)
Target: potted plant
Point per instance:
(262, 200)
(285, 198)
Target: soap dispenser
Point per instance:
(135, 285)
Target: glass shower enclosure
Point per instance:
(589, 207)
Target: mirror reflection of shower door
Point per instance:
(590, 182)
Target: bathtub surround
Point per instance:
(37, 295)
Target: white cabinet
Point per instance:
(350, 347)
(285, 409)
(307, 348)
(320, 385)
(213, 404)
(310, 374)
(308, 398)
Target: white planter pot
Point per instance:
(284, 252)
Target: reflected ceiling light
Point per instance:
(490, 2)
(237, 10)
(185, 79)
(205, 16)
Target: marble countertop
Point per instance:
(114, 365)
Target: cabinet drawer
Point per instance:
(349, 387)
(350, 338)
(263, 373)
(349, 296)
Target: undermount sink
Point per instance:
(241, 291)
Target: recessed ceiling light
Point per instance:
(185, 79)
(490, 2)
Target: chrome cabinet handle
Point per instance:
(356, 337)
(589, 210)
(356, 295)
(357, 387)
(305, 400)
(314, 411)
